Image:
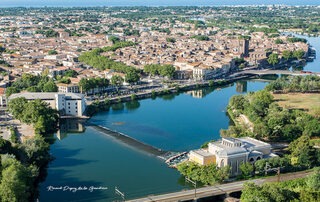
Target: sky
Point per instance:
(41, 3)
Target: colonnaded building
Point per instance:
(68, 104)
(232, 151)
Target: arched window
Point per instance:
(222, 163)
(258, 158)
(251, 160)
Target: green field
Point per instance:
(309, 102)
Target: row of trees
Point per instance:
(295, 83)
(304, 189)
(162, 70)
(274, 59)
(201, 38)
(118, 44)
(209, 174)
(32, 83)
(94, 59)
(296, 39)
(301, 155)
(92, 83)
(36, 112)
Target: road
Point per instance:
(217, 190)
(270, 71)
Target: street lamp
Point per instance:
(194, 184)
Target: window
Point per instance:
(222, 163)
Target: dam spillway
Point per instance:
(132, 142)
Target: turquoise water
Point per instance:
(176, 123)
(171, 123)
(315, 42)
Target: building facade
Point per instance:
(68, 104)
(68, 88)
(232, 152)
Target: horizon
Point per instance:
(152, 3)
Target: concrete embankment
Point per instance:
(131, 141)
(185, 87)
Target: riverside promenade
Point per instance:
(223, 189)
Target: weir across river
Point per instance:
(168, 156)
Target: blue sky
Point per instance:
(5, 3)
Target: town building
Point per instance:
(3, 97)
(232, 151)
(68, 104)
(68, 88)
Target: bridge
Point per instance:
(217, 190)
(272, 71)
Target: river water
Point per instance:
(173, 123)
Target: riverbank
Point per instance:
(166, 91)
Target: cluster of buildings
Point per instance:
(232, 151)
(37, 42)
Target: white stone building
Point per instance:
(232, 151)
(68, 104)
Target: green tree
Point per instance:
(298, 54)
(114, 39)
(132, 77)
(252, 193)
(238, 102)
(287, 54)
(242, 66)
(171, 40)
(70, 73)
(168, 70)
(36, 149)
(50, 86)
(5, 146)
(302, 152)
(33, 89)
(246, 169)
(273, 59)
(117, 81)
(14, 182)
(52, 52)
(16, 107)
(84, 85)
(313, 180)
(11, 90)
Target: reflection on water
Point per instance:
(241, 86)
(72, 126)
(196, 93)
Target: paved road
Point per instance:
(217, 190)
(270, 71)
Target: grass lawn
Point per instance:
(308, 102)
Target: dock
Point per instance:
(176, 159)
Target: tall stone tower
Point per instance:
(244, 47)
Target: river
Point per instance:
(173, 123)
